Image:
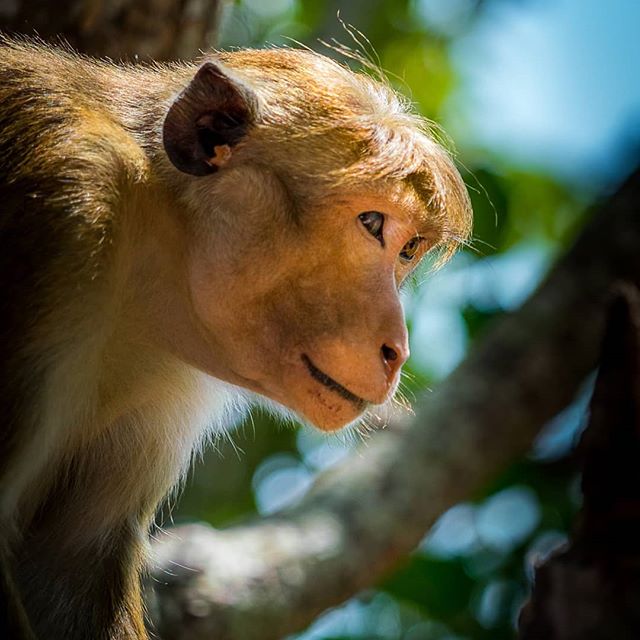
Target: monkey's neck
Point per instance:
(123, 382)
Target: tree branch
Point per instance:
(271, 577)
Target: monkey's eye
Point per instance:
(410, 250)
(373, 221)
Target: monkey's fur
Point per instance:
(177, 240)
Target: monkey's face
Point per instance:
(293, 277)
(303, 306)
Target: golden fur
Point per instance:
(144, 306)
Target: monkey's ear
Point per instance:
(206, 120)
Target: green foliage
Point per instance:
(442, 589)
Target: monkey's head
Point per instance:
(310, 193)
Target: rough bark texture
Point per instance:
(269, 578)
(119, 29)
(591, 590)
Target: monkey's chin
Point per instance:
(327, 421)
(331, 414)
(328, 413)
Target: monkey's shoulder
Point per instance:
(65, 160)
(65, 164)
(58, 121)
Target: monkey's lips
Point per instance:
(333, 385)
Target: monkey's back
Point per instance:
(61, 161)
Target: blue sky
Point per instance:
(553, 83)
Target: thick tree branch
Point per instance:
(269, 578)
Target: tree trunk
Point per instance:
(119, 29)
(591, 590)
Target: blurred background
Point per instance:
(542, 99)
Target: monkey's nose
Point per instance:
(394, 355)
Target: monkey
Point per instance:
(178, 242)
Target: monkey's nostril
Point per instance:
(393, 357)
(388, 353)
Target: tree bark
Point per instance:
(271, 577)
(591, 590)
(119, 29)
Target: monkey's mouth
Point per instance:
(331, 384)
